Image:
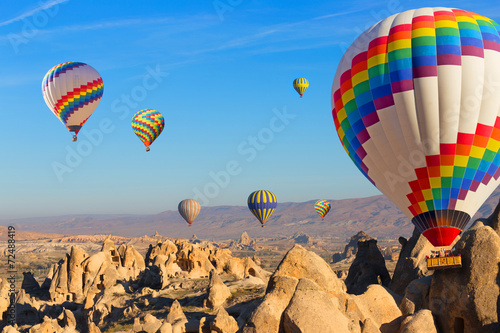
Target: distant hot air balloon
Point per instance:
(416, 105)
(72, 91)
(262, 204)
(300, 85)
(189, 210)
(148, 125)
(322, 207)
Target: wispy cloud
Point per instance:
(336, 14)
(288, 32)
(111, 24)
(179, 24)
(294, 47)
(47, 5)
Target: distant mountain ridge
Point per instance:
(376, 215)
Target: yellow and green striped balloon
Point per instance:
(300, 84)
(148, 125)
(262, 204)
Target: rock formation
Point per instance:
(4, 296)
(367, 268)
(416, 296)
(302, 238)
(468, 297)
(78, 275)
(223, 322)
(27, 308)
(380, 306)
(29, 284)
(305, 295)
(351, 248)
(87, 293)
(176, 316)
(412, 262)
(244, 243)
(167, 260)
(297, 263)
(421, 321)
(217, 291)
(313, 310)
(10, 329)
(245, 240)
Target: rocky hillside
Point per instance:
(375, 215)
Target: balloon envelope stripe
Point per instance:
(57, 70)
(76, 99)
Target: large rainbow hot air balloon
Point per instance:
(322, 207)
(72, 91)
(416, 101)
(300, 85)
(148, 125)
(262, 204)
(189, 210)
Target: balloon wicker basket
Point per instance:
(443, 260)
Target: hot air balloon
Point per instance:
(300, 85)
(147, 125)
(262, 204)
(189, 210)
(322, 207)
(72, 91)
(416, 106)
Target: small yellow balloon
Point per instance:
(301, 84)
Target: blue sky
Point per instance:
(221, 74)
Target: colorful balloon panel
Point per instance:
(300, 85)
(189, 210)
(416, 105)
(148, 124)
(72, 91)
(262, 204)
(322, 207)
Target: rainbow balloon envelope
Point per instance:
(148, 124)
(416, 102)
(322, 207)
(72, 91)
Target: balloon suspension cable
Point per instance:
(74, 138)
(147, 149)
